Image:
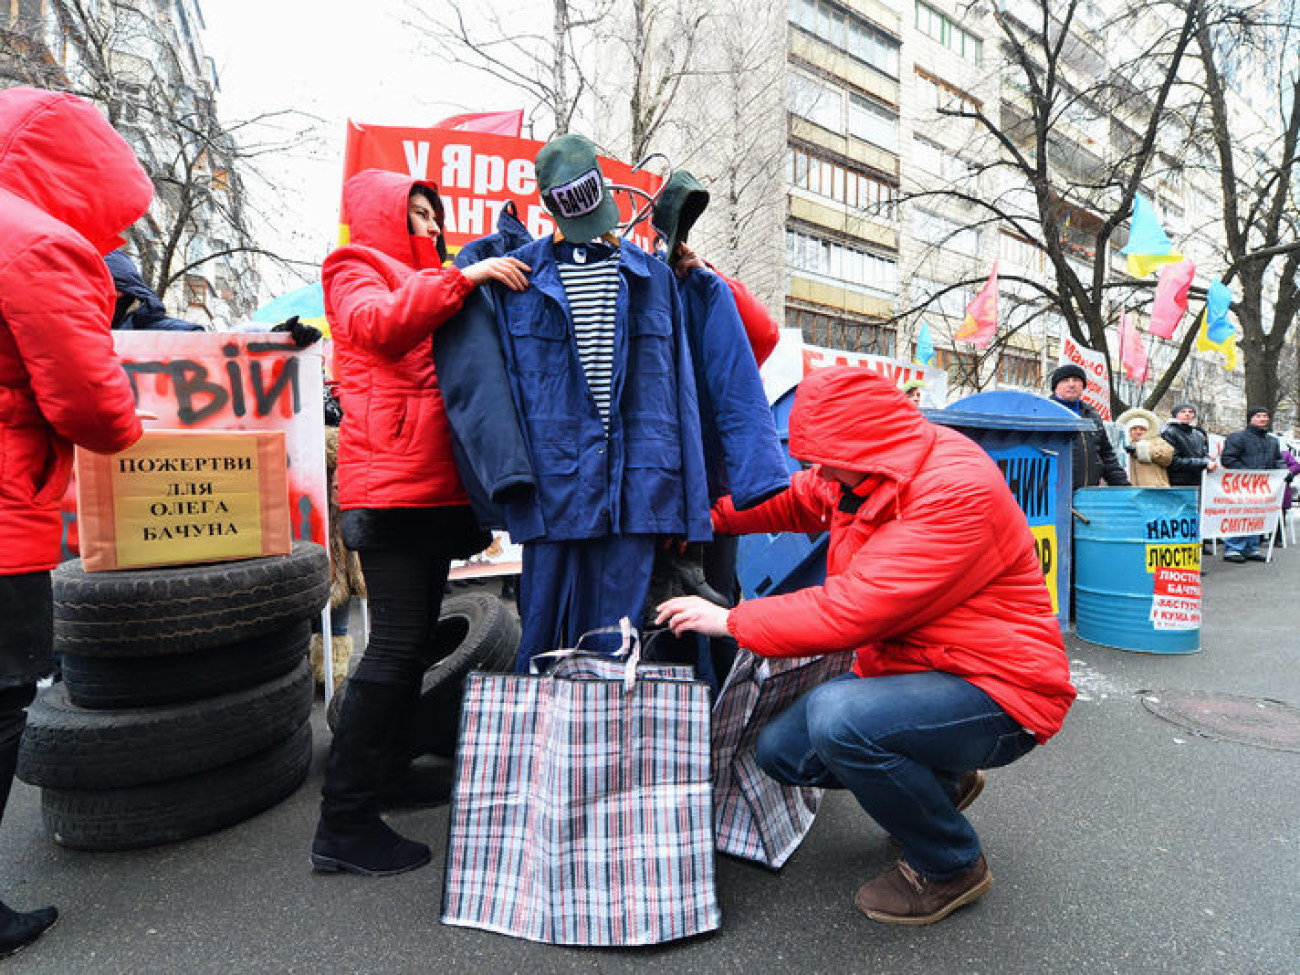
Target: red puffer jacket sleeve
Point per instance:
(59, 323)
(382, 315)
(760, 328)
(896, 582)
(803, 507)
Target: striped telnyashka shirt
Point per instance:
(592, 290)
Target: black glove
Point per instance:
(302, 335)
(1290, 477)
(1129, 447)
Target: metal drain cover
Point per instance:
(1257, 721)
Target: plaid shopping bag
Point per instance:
(581, 809)
(754, 816)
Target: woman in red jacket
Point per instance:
(69, 187)
(933, 580)
(404, 509)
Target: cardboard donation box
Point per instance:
(180, 497)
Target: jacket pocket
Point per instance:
(556, 457)
(539, 335)
(650, 334)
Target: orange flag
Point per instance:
(981, 314)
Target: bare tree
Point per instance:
(551, 68)
(131, 58)
(1256, 154)
(1057, 84)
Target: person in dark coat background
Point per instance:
(1094, 457)
(69, 187)
(1191, 447)
(138, 307)
(1251, 449)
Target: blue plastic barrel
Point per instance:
(1132, 538)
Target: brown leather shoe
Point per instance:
(969, 787)
(900, 895)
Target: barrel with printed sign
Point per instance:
(1138, 568)
(1030, 438)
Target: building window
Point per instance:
(1019, 370)
(847, 332)
(1015, 251)
(934, 93)
(854, 188)
(840, 263)
(935, 159)
(933, 228)
(848, 32)
(858, 116)
(925, 292)
(962, 367)
(196, 291)
(943, 29)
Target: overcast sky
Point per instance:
(359, 63)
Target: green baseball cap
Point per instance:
(677, 207)
(573, 188)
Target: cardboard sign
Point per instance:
(1093, 363)
(178, 497)
(233, 381)
(1241, 502)
(476, 173)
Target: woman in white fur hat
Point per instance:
(1148, 453)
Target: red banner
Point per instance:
(476, 173)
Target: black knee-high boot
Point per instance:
(350, 835)
(18, 929)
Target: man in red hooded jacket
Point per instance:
(932, 579)
(69, 187)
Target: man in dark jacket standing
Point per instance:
(1191, 447)
(1251, 449)
(1094, 457)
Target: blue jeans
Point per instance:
(899, 744)
(1241, 544)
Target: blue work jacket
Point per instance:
(487, 439)
(742, 451)
(646, 475)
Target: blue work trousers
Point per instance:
(899, 744)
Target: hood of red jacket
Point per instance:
(59, 153)
(374, 204)
(855, 419)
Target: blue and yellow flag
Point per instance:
(1216, 332)
(1147, 246)
(925, 346)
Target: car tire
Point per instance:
(181, 808)
(68, 747)
(182, 609)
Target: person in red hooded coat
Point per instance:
(69, 187)
(933, 580)
(404, 509)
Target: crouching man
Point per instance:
(932, 578)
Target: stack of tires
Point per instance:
(185, 701)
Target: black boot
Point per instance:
(411, 783)
(17, 929)
(350, 835)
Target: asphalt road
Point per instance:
(1128, 844)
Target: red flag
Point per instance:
(493, 123)
(1131, 353)
(1171, 298)
(981, 314)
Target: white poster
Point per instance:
(1241, 502)
(1097, 395)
